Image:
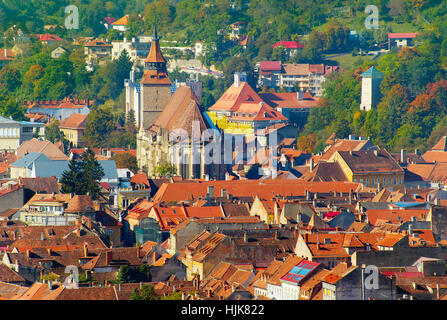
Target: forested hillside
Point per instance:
(412, 113)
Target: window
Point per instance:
(27, 129)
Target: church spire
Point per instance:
(155, 64)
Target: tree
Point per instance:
(165, 169)
(72, 179)
(92, 172)
(53, 132)
(83, 175)
(10, 79)
(307, 143)
(126, 160)
(128, 274)
(98, 126)
(147, 292)
(9, 107)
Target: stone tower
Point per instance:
(155, 85)
(371, 95)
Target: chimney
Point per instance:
(276, 235)
(109, 257)
(311, 164)
(49, 251)
(50, 285)
(223, 193)
(210, 193)
(28, 253)
(239, 77)
(154, 257)
(245, 237)
(403, 156)
(299, 94)
(233, 288)
(85, 249)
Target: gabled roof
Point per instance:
(140, 178)
(28, 160)
(364, 161)
(50, 150)
(48, 37)
(346, 145)
(232, 99)
(123, 21)
(326, 171)
(98, 43)
(441, 145)
(289, 44)
(256, 112)
(75, 121)
(179, 114)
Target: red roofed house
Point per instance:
(73, 128)
(241, 110)
(160, 220)
(48, 38)
(401, 40)
(59, 109)
(295, 106)
(292, 47)
(121, 24)
(96, 50)
(438, 152)
(306, 77)
(269, 73)
(6, 56)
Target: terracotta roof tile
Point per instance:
(75, 121)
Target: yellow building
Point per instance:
(372, 168)
(73, 128)
(241, 110)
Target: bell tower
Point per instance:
(155, 85)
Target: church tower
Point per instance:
(371, 96)
(155, 85)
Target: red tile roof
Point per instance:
(396, 216)
(290, 100)
(248, 188)
(48, 37)
(289, 44)
(402, 35)
(75, 121)
(6, 54)
(270, 66)
(140, 178)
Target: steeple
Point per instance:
(155, 64)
